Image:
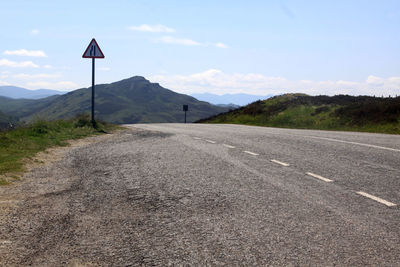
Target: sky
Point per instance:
(215, 46)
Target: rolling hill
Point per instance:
(133, 100)
(341, 112)
(19, 92)
(6, 121)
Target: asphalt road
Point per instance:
(198, 194)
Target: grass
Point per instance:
(24, 142)
(343, 113)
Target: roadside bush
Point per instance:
(39, 127)
(82, 120)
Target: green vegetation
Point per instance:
(7, 121)
(23, 143)
(133, 100)
(341, 112)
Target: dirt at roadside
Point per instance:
(31, 185)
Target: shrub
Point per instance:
(82, 120)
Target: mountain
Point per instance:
(230, 106)
(227, 99)
(133, 100)
(21, 108)
(19, 92)
(341, 112)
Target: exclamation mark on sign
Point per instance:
(93, 50)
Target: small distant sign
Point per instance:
(93, 50)
(185, 107)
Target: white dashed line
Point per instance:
(319, 177)
(280, 162)
(228, 146)
(210, 141)
(197, 138)
(354, 143)
(251, 153)
(380, 200)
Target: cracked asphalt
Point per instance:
(163, 194)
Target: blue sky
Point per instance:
(255, 47)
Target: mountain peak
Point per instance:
(137, 79)
(132, 79)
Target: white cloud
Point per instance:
(170, 39)
(394, 80)
(375, 81)
(188, 42)
(348, 84)
(48, 66)
(62, 85)
(173, 40)
(152, 28)
(24, 76)
(26, 53)
(4, 74)
(217, 82)
(35, 32)
(4, 83)
(13, 64)
(221, 45)
(103, 68)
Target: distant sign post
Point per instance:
(93, 51)
(185, 108)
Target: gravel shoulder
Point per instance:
(141, 197)
(22, 203)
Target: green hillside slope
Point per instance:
(24, 107)
(341, 112)
(7, 121)
(133, 100)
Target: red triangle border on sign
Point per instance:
(101, 52)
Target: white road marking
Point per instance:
(210, 141)
(380, 200)
(197, 138)
(228, 146)
(280, 162)
(319, 177)
(354, 143)
(251, 153)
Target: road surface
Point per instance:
(204, 194)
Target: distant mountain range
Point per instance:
(133, 100)
(18, 92)
(227, 99)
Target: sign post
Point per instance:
(185, 108)
(93, 51)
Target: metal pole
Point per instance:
(185, 116)
(93, 92)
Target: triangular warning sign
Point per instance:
(93, 50)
